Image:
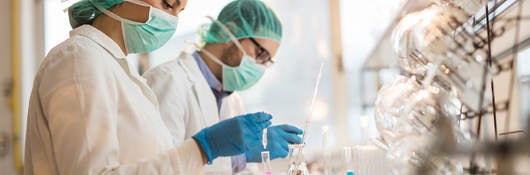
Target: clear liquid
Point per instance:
(297, 164)
(297, 169)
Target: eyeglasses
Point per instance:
(263, 56)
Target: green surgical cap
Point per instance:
(85, 11)
(245, 19)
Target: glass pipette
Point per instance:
(265, 155)
(264, 140)
(308, 120)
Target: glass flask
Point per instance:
(403, 106)
(408, 117)
(451, 55)
(470, 6)
(425, 37)
(297, 165)
(443, 33)
(409, 58)
(390, 105)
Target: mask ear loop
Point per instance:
(137, 2)
(214, 58)
(165, 16)
(230, 34)
(113, 15)
(119, 18)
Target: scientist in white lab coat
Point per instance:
(199, 88)
(90, 113)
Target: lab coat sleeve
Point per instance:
(82, 117)
(169, 89)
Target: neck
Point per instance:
(217, 51)
(112, 28)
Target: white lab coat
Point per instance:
(187, 103)
(91, 114)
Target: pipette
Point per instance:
(264, 140)
(308, 120)
(265, 155)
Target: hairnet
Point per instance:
(245, 19)
(85, 11)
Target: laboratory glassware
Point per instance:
(308, 119)
(348, 156)
(266, 163)
(471, 7)
(438, 43)
(297, 165)
(417, 32)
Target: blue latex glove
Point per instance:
(278, 139)
(232, 136)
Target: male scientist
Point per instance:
(198, 89)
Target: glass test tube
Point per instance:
(266, 162)
(349, 161)
(325, 150)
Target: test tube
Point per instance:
(364, 127)
(327, 154)
(348, 158)
(266, 162)
(325, 137)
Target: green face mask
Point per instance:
(149, 36)
(243, 76)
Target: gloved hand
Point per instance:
(278, 139)
(232, 136)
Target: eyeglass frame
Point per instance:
(268, 58)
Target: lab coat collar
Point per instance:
(202, 91)
(100, 38)
(212, 81)
(108, 44)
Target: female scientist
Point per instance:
(90, 113)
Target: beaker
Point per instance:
(297, 165)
